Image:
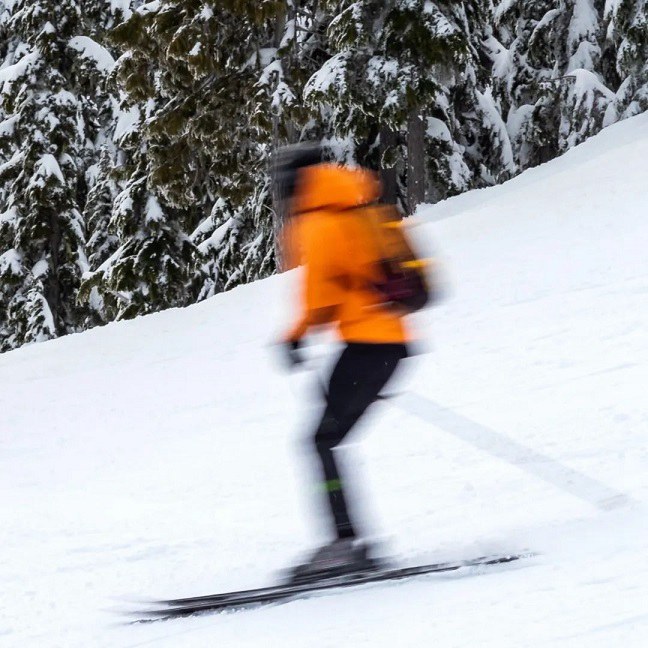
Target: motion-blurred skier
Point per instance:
(328, 233)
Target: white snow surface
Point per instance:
(166, 456)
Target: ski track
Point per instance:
(166, 456)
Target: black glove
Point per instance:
(292, 353)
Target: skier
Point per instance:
(325, 233)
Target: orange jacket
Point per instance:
(340, 254)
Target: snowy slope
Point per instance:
(164, 456)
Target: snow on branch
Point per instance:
(47, 167)
(331, 76)
(90, 49)
(11, 263)
(12, 73)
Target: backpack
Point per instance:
(404, 282)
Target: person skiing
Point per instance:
(327, 234)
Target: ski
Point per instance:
(166, 609)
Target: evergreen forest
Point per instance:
(136, 137)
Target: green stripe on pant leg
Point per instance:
(332, 485)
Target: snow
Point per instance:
(516, 120)
(128, 122)
(153, 211)
(8, 126)
(108, 263)
(165, 456)
(123, 202)
(47, 167)
(207, 13)
(442, 27)
(500, 56)
(10, 74)
(14, 161)
(149, 7)
(89, 48)
(437, 129)
(611, 7)
(502, 8)
(46, 117)
(122, 6)
(40, 269)
(11, 263)
(584, 22)
(266, 57)
(288, 35)
(584, 56)
(492, 120)
(459, 171)
(331, 76)
(272, 70)
(207, 224)
(213, 242)
(381, 70)
(341, 149)
(10, 216)
(584, 91)
(64, 98)
(586, 83)
(40, 318)
(546, 20)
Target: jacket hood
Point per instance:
(336, 187)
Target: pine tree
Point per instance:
(101, 175)
(190, 73)
(583, 97)
(102, 242)
(404, 88)
(132, 186)
(155, 261)
(564, 69)
(48, 102)
(626, 29)
(229, 131)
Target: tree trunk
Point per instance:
(52, 285)
(278, 206)
(415, 160)
(388, 174)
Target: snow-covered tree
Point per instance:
(522, 51)
(101, 176)
(404, 89)
(564, 69)
(196, 148)
(50, 110)
(154, 261)
(136, 136)
(626, 40)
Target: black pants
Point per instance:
(357, 379)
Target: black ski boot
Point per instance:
(345, 556)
